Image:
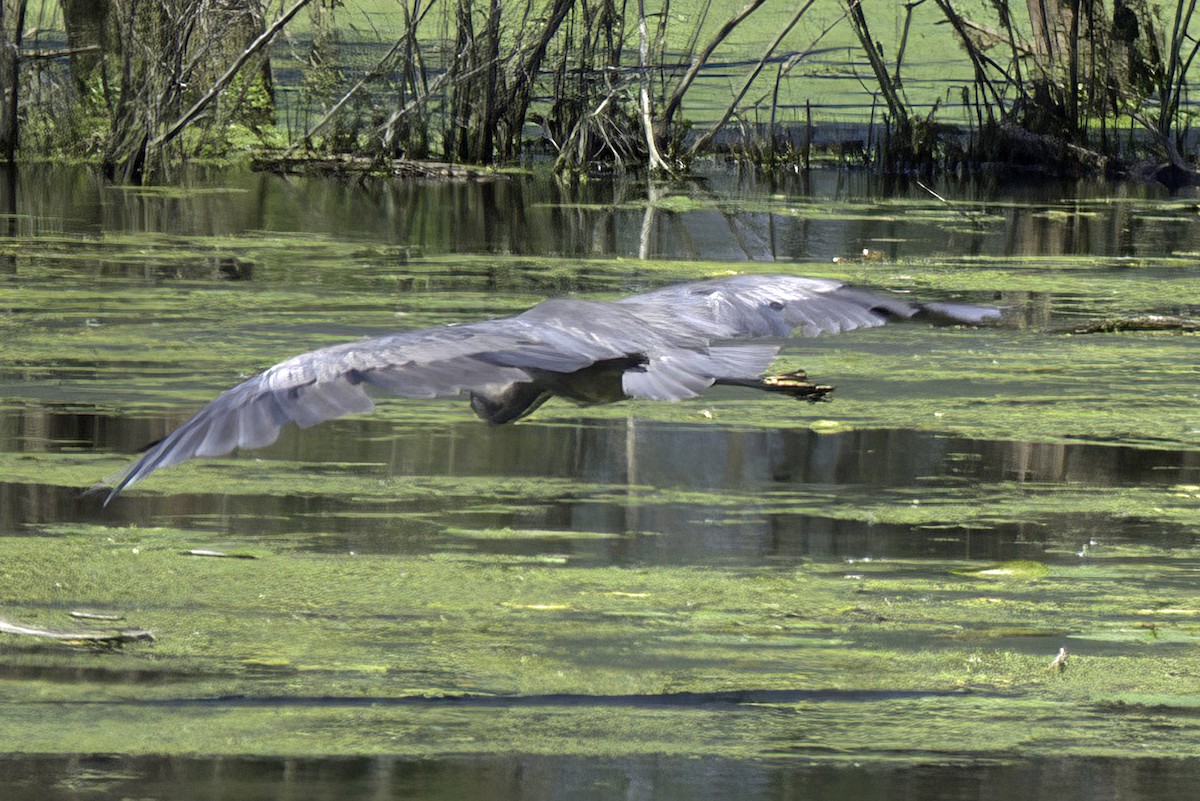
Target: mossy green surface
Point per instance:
(295, 653)
(481, 634)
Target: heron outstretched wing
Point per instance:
(332, 382)
(671, 343)
(757, 306)
(743, 306)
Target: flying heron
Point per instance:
(669, 344)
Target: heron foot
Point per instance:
(797, 385)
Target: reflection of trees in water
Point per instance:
(675, 493)
(545, 777)
(822, 216)
(8, 215)
(816, 216)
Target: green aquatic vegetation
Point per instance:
(403, 607)
(875, 647)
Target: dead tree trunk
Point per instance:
(490, 89)
(888, 86)
(166, 53)
(88, 25)
(12, 22)
(1069, 44)
(462, 95)
(8, 213)
(523, 72)
(655, 160)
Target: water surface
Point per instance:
(842, 599)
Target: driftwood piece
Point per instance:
(1047, 153)
(85, 636)
(357, 165)
(1144, 322)
(83, 614)
(217, 554)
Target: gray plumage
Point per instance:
(669, 344)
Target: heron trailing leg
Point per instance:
(795, 383)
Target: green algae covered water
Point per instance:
(734, 595)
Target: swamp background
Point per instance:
(1067, 87)
(735, 596)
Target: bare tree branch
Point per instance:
(371, 74)
(655, 158)
(175, 128)
(704, 139)
(700, 60)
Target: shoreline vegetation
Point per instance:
(1057, 87)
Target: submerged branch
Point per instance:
(78, 636)
(365, 165)
(1144, 322)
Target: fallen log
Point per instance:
(360, 165)
(1144, 322)
(85, 636)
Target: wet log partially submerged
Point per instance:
(78, 636)
(1018, 147)
(1143, 322)
(361, 165)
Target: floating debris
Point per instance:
(217, 554)
(1060, 661)
(1145, 322)
(1015, 570)
(78, 637)
(85, 615)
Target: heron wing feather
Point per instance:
(744, 306)
(331, 382)
(675, 333)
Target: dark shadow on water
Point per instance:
(535, 777)
(608, 491)
(27, 667)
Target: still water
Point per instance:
(731, 596)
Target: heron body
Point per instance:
(669, 344)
